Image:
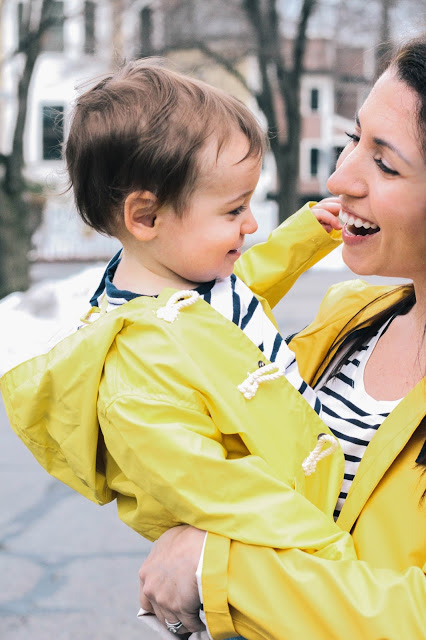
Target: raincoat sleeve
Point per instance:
(175, 458)
(266, 594)
(271, 268)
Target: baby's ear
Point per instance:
(140, 213)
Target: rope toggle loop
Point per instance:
(179, 300)
(251, 384)
(310, 463)
(90, 316)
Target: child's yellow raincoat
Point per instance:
(149, 412)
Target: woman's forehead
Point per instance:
(390, 113)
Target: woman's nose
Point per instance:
(249, 224)
(348, 177)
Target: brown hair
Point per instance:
(143, 128)
(409, 63)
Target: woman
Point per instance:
(365, 350)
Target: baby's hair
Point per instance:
(143, 128)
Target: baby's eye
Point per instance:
(238, 210)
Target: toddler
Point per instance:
(178, 397)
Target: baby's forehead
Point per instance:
(219, 155)
(229, 174)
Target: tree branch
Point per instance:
(300, 41)
(213, 55)
(13, 176)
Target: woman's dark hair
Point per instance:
(349, 341)
(409, 63)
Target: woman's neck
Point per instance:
(419, 312)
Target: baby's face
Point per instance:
(204, 243)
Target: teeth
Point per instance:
(356, 222)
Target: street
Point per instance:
(68, 568)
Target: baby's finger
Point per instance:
(332, 207)
(328, 219)
(330, 199)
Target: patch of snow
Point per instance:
(33, 321)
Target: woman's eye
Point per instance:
(237, 211)
(383, 167)
(353, 137)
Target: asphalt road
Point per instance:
(68, 568)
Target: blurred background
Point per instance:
(304, 67)
(67, 568)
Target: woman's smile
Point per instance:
(357, 226)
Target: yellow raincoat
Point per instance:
(291, 595)
(148, 412)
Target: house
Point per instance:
(334, 85)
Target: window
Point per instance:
(53, 39)
(145, 31)
(314, 99)
(336, 153)
(52, 132)
(314, 162)
(89, 27)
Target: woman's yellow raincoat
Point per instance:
(291, 595)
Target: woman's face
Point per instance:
(381, 180)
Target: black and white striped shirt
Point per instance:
(351, 414)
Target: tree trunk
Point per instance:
(287, 172)
(20, 213)
(385, 47)
(19, 217)
(279, 96)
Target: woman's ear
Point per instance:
(140, 213)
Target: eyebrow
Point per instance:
(383, 143)
(242, 195)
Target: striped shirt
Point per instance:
(352, 415)
(235, 301)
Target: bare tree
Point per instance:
(279, 94)
(379, 24)
(20, 213)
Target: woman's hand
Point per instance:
(327, 212)
(167, 581)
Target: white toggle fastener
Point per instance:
(175, 303)
(251, 384)
(310, 464)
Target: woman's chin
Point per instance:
(354, 262)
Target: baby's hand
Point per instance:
(326, 212)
